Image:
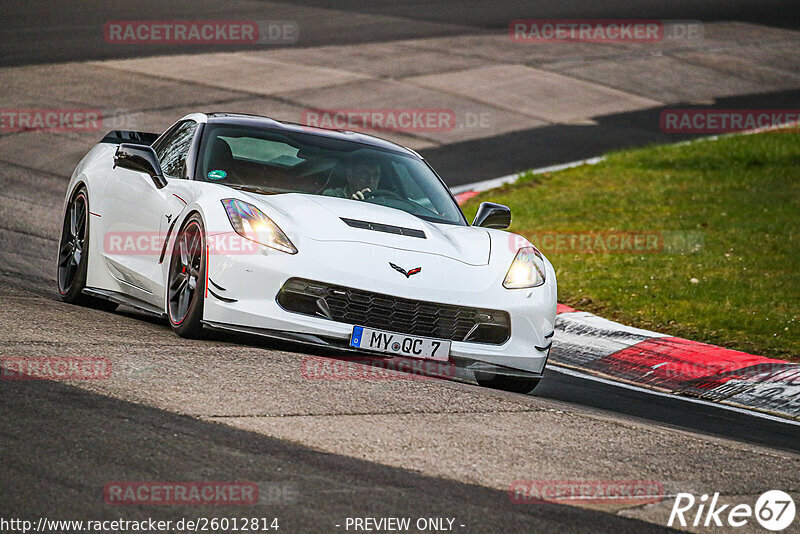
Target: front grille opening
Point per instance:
(488, 333)
(385, 312)
(296, 300)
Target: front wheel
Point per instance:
(187, 277)
(514, 384)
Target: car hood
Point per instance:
(321, 218)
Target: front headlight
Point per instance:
(251, 223)
(527, 269)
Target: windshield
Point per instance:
(274, 162)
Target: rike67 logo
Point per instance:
(774, 510)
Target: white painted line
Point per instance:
(761, 415)
(511, 178)
(736, 134)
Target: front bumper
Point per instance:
(243, 290)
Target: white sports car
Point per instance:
(247, 224)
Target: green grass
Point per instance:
(738, 198)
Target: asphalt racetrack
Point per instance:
(233, 408)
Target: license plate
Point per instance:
(400, 344)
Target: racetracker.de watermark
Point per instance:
(117, 243)
(313, 368)
(181, 493)
(59, 120)
(189, 32)
(610, 242)
(586, 491)
(603, 31)
(393, 119)
(713, 121)
(54, 368)
(50, 119)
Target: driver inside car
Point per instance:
(363, 174)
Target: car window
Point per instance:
(277, 162)
(173, 150)
(261, 150)
(410, 186)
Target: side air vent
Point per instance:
(387, 228)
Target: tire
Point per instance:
(73, 254)
(186, 279)
(514, 384)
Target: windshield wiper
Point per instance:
(251, 189)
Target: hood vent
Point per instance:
(387, 228)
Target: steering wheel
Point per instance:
(390, 196)
(387, 193)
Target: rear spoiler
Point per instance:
(116, 137)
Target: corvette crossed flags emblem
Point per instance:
(403, 271)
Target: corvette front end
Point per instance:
(333, 284)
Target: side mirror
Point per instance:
(491, 215)
(140, 158)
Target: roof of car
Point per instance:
(243, 119)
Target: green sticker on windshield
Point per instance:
(217, 174)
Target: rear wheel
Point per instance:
(186, 282)
(514, 384)
(73, 254)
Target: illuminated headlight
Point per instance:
(251, 223)
(527, 269)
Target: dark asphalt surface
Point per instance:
(59, 445)
(706, 419)
(484, 14)
(44, 32)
